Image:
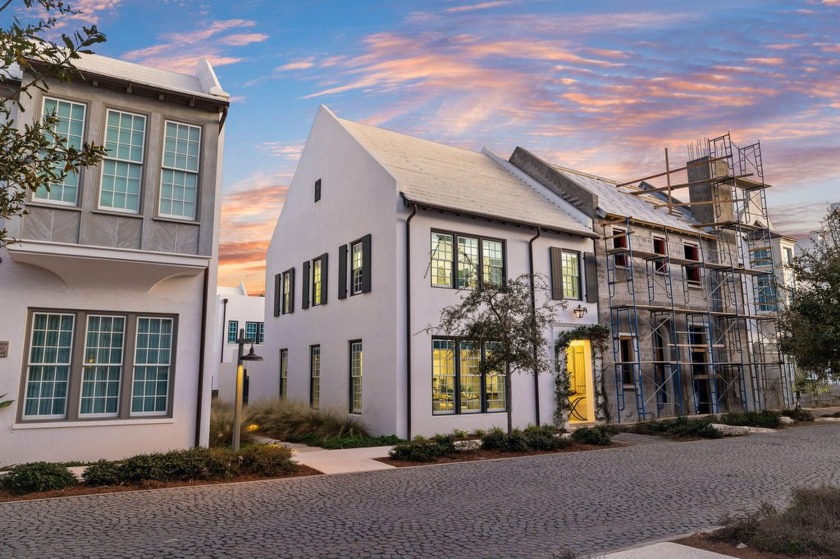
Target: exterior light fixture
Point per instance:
(240, 382)
(579, 311)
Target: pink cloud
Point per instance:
(474, 7)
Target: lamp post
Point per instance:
(240, 381)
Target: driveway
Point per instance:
(590, 502)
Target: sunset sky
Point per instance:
(601, 86)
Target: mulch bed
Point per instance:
(151, 484)
(475, 455)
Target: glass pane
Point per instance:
(443, 376)
(442, 258)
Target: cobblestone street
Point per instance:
(521, 507)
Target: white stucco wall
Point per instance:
(240, 308)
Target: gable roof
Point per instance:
(619, 201)
(455, 179)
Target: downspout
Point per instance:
(224, 331)
(199, 404)
(533, 316)
(408, 320)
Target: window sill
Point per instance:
(53, 206)
(93, 423)
(116, 213)
(184, 221)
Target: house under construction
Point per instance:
(687, 288)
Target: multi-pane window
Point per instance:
(179, 170)
(102, 369)
(762, 257)
(122, 167)
(765, 293)
(286, 299)
(475, 261)
(458, 384)
(260, 332)
(571, 274)
(314, 376)
(356, 268)
(356, 365)
(252, 330)
(71, 128)
(78, 365)
(232, 331)
(48, 371)
(152, 360)
(692, 272)
(284, 373)
(317, 278)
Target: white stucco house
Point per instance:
(108, 297)
(235, 311)
(378, 233)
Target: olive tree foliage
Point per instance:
(30, 156)
(502, 315)
(810, 323)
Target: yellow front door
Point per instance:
(581, 393)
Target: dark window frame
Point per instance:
(312, 403)
(453, 280)
(350, 407)
(284, 373)
(456, 402)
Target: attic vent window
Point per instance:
(317, 190)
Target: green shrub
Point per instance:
(359, 442)
(545, 437)
(765, 418)
(598, 435)
(495, 439)
(421, 449)
(798, 414)
(103, 472)
(679, 428)
(266, 460)
(532, 438)
(36, 477)
(297, 422)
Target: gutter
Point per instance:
(408, 315)
(203, 344)
(533, 315)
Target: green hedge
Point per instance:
(421, 449)
(531, 439)
(598, 435)
(767, 419)
(36, 477)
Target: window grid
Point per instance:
(287, 291)
(458, 384)
(470, 377)
(48, 372)
(356, 268)
(284, 373)
(442, 257)
(316, 282)
(476, 260)
(494, 391)
(314, 376)
(260, 332)
(571, 274)
(251, 330)
(103, 365)
(150, 393)
(179, 170)
(493, 262)
(467, 263)
(122, 167)
(232, 331)
(356, 363)
(765, 292)
(70, 127)
(443, 376)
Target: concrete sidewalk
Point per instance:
(666, 550)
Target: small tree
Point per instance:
(32, 157)
(502, 315)
(810, 323)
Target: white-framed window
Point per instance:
(122, 166)
(318, 283)
(232, 331)
(284, 374)
(466, 262)
(356, 366)
(71, 128)
(565, 273)
(314, 376)
(458, 384)
(180, 170)
(152, 366)
(102, 369)
(81, 365)
(255, 331)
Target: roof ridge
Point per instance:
(403, 134)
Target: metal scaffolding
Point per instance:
(694, 316)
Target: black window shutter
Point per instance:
(366, 269)
(291, 273)
(317, 190)
(342, 272)
(591, 271)
(304, 303)
(278, 293)
(556, 257)
(324, 277)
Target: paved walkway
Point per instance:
(588, 502)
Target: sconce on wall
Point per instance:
(579, 311)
